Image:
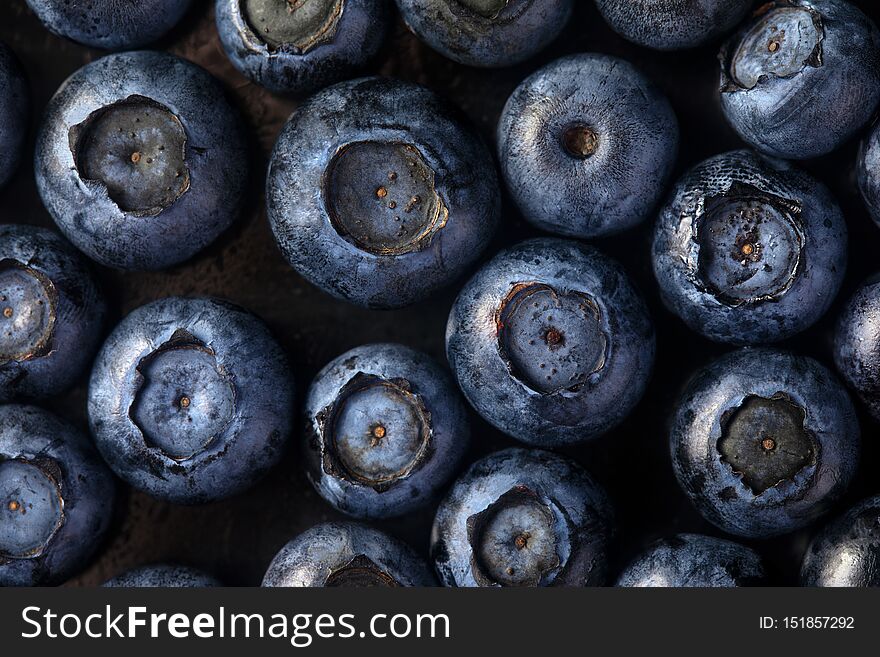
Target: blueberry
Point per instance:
(691, 560)
(665, 25)
(587, 145)
(487, 33)
(847, 551)
(51, 313)
(133, 168)
(191, 400)
(749, 250)
(763, 442)
(385, 429)
(857, 344)
(14, 110)
(779, 72)
(56, 498)
(162, 576)
(868, 172)
(551, 343)
(379, 194)
(110, 24)
(523, 518)
(295, 47)
(346, 554)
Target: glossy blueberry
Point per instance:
(672, 25)
(868, 172)
(51, 313)
(779, 72)
(551, 343)
(847, 551)
(191, 400)
(487, 33)
(14, 109)
(749, 250)
(110, 24)
(379, 194)
(763, 442)
(346, 554)
(587, 145)
(56, 498)
(857, 344)
(294, 47)
(691, 560)
(162, 576)
(385, 429)
(140, 160)
(523, 518)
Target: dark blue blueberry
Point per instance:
(847, 551)
(779, 72)
(487, 33)
(523, 518)
(140, 160)
(14, 109)
(191, 400)
(691, 560)
(749, 250)
(551, 343)
(587, 145)
(297, 47)
(379, 194)
(56, 498)
(763, 442)
(868, 172)
(51, 313)
(110, 24)
(857, 344)
(386, 429)
(673, 24)
(162, 576)
(346, 554)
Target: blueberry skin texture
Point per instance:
(85, 487)
(359, 32)
(868, 172)
(247, 399)
(162, 576)
(75, 314)
(216, 162)
(609, 187)
(691, 560)
(346, 554)
(825, 446)
(846, 553)
(508, 391)
(507, 34)
(672, 24)
(575, 505)
(857, 344)
(14, 111)
(427, 461)
(110, 24)
(384, 112)
(811, 260)
(783, 114)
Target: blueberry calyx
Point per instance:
(29, 489)
(489, 9)
(28, 312)
(296, 25)
(361, 572)
(580, 141)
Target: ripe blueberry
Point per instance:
(868, 172)
(857, 344)
(14, 108)
(162, 576)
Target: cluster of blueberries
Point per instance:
(380, 193)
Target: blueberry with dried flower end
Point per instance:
(551, 343)
(691, 560)
(868, 172)
(779, 72)
(56, 498)
(857, 344)
(14, 108)
(523, 517)
(487, 33)
(587, 145)
(749, 250)
(162, 576)
(141, 161)
(764, 442)
(295, 48)
(385, 430)
(846, 553)
(191, 400)
(379, 194)
(110, 24)
(347, 554)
